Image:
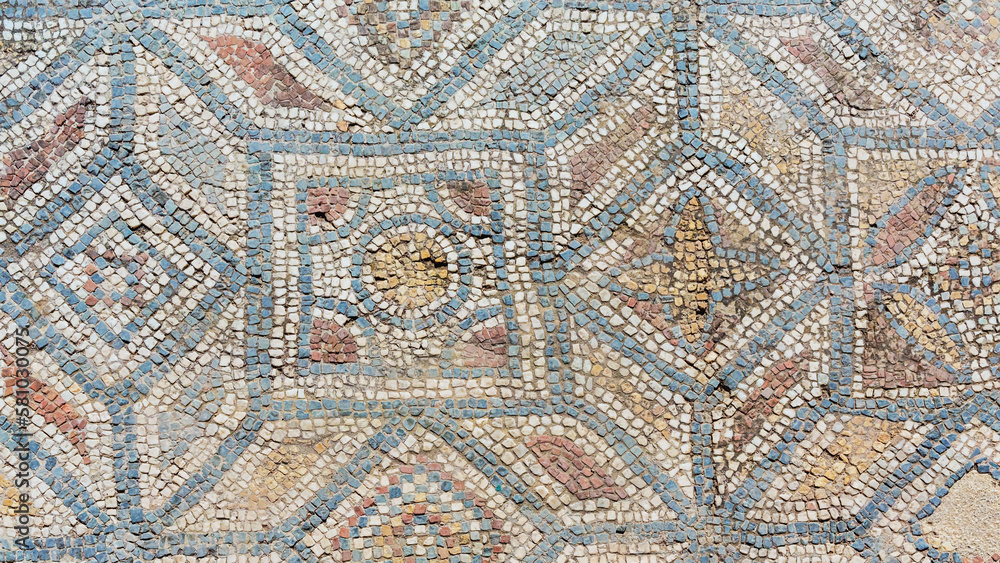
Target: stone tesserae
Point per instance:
(500, 281)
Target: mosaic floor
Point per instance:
(486, 281)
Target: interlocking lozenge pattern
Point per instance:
(470, 281)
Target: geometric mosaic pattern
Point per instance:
(498, 281)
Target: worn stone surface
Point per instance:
(968, 519)
(467, 281)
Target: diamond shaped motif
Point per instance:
(117, 279)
